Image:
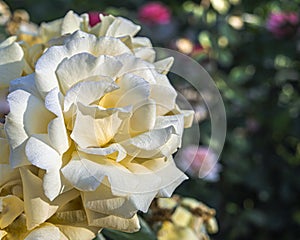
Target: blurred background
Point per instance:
(251, 48)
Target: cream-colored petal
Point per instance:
(11, 61)
(163, 66)
(115, 27)
(114, 148)
(37, 206)
(114, 222)
(169, 174)
(103, 201)
(78, 42)
(24, 119)
(83, 66)
(101, 28)
(46, 231)
(57, 131)
(76, 233)
(163, 94)
(149, 144)
(2, 234)
(89, 91)
(4, 150)
(188, 116)
(143, 117)
(10, 208)
(70, 23)
(41, 154)
(26, 83)
(7, 173)
(143, 49)
(26, 112)
(122, 27)
(137, 66)
(132, 90)
(79, 173)
(140, 189)
(86, 172)
(97, 127)
(50, 30)
(145, 53)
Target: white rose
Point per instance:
(102, 117)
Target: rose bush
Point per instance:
(95, 123)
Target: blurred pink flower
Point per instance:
(94, 18)
(200, 162)
(283, 24)
(154, 13)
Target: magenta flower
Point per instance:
(154, 13)
(94, 18)
(283, 24)
(200, 162)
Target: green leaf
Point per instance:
(145, 233)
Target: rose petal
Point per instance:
(41, 154)
(89, 91)
(11, 61)
(97, 127)
(78, 42)
(57, 131)
(24, 120)
(10, 208)
(37, 206)
(114, 222)
(70, 23)
(84, 65)
(163, 66)
(46, 231)
(76, 233)
(117, 27)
